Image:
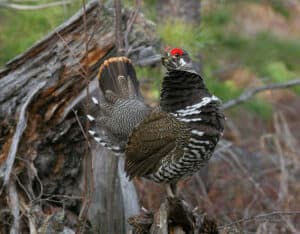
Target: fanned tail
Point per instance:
(121, 104)
(109, 77)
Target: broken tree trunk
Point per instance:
(45, 156)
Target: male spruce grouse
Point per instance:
(166, 143)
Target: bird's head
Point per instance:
(176, 59)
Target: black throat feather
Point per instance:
(181, 89)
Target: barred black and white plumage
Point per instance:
(204, 135)
(166, 143)
(185, 96)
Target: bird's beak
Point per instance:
(165, 60)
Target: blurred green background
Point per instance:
(239, 44)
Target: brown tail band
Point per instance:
(112, 60)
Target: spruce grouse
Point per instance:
(165, 143)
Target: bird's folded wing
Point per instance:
(158, 137)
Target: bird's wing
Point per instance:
(160, 136)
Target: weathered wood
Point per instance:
(174, 216)
(131, 206)
(14, 206)
(6, 168)
(40, 92)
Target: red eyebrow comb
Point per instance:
(176, 51)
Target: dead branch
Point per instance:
(147, 61)
(88, 165)
(260, 216)
(250, 93)
(160, 221)
(5, 169)
(34, 7)
(173, 216)
(14, 206)
(130, 22)
(118, 29)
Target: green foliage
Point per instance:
(266, 48)
(257, 52)
(178, 34)
(260, 107)
(149, 7)
(278, 72)
(265, 55)
(279, 7)
(21, 29)
(219, 17)
(224, 90)
(153, 74)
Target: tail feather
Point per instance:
(110, 72)
(120, 106)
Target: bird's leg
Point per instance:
(171, 189)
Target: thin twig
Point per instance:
(33, 169)
(250, 93)
(91, 36)
(88, 164)
(33, 7)
(283, 188)
(260, 216)
(26, 1)
(81, 127)
(61, 196)
(83, 74)
(249, 177)
(118, 26)
(29, 196)
(130, 22)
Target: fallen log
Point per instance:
(45, 157)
